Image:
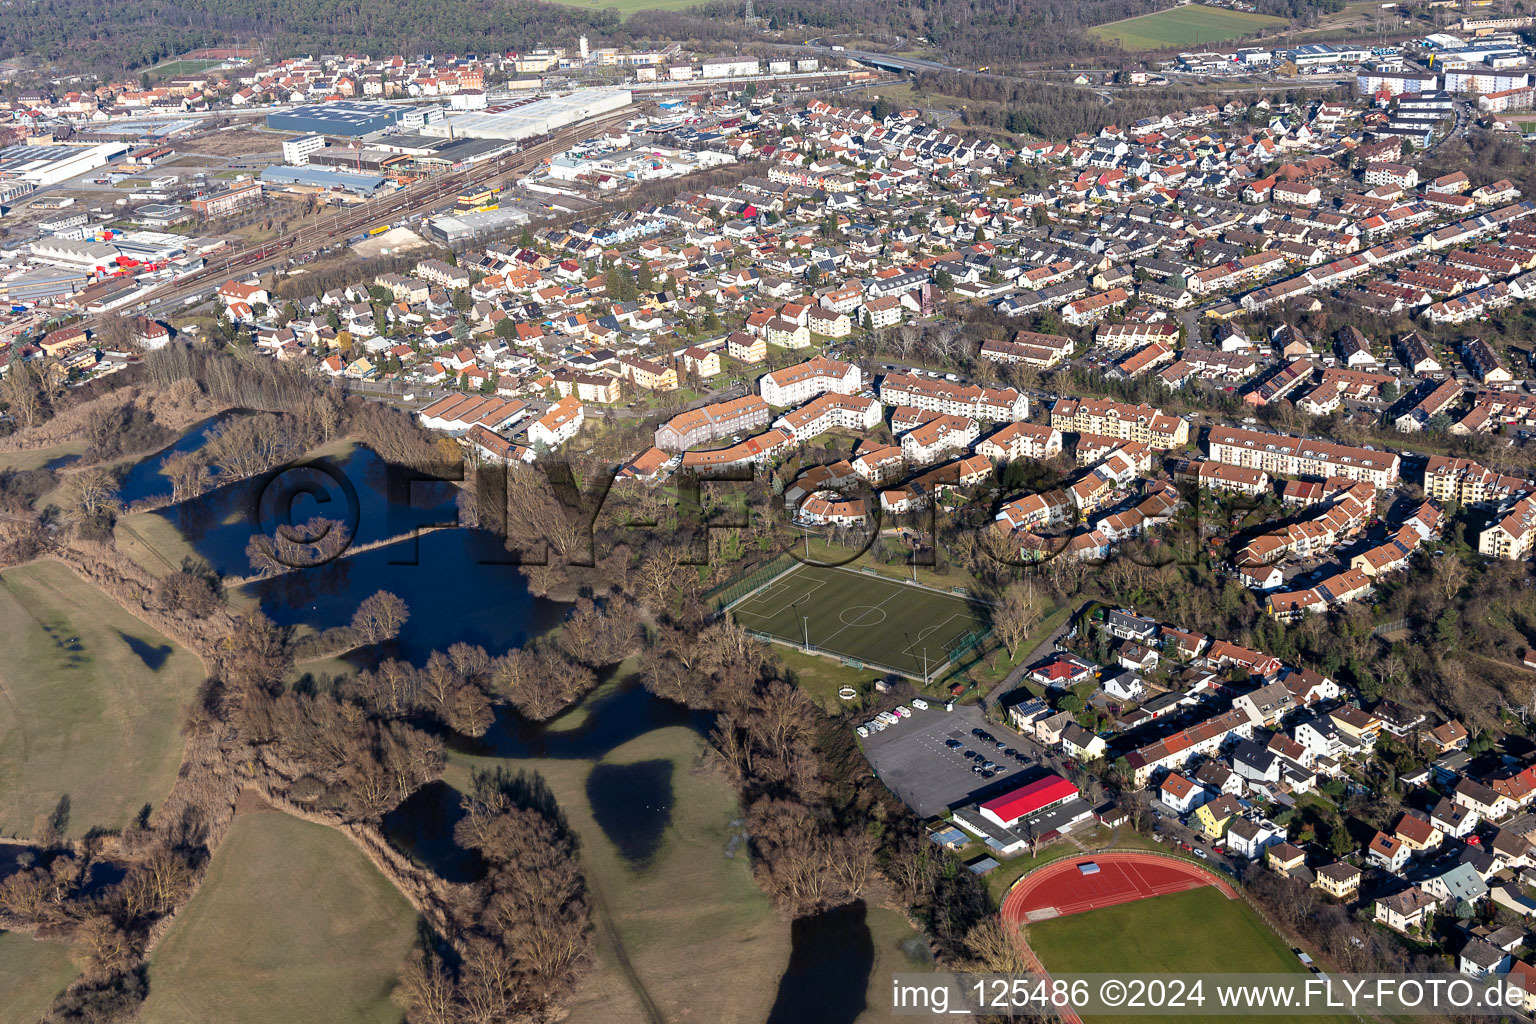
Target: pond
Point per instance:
(830, 959)
(219, 523)
(146, 480)
(456, 582)
(458, 588)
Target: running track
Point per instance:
(1059, 889)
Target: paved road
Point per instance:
(1044, 647)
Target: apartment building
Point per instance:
(1513, 534)
(983, 403)
(1465, 482)
(648, 375)
(1152, 427)
(588, 387)
(1285, 455)
(827, 412)
(558, 425)
(722, 419)
(1021, 441)
(938, 436)
(795, 385)
(1030, 348)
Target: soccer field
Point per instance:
(865, 618)
(1192, 25)
(1192, 932)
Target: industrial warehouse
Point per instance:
(322, 179)
(526, 118)
(45, 165)
(342, 117)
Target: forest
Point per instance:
(138, 34)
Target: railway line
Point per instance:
(419, 195)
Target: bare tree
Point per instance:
(1016, 614)
(380, 618)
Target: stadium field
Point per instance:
(881, 622)
(1197, 931)
(1190, 25)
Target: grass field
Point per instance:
(152, 541)
(1189, 26)
(36, 457)
(1199, 930)
(90, 701)
(32, 973)
(292, 923)
(691, 925)
(867, 618)
(628, 7)
(172, 68)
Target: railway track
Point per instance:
(418, 195)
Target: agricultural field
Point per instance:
(90, 703)
(628, 7)
(1190, 26)
(292, 923)
(1198, 931)
(32, 974)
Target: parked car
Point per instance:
(902, 711)
(863, 731)
(1201, 854)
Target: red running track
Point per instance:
(1059, 889)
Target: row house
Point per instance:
(1030, 348)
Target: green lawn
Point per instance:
(90, 702)
(1196, 931)
(628, 7)
(862, 616)
(32, 974)
(1189, 26)
(172, 68)
(691, 916)
(292, 923)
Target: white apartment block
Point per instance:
(1021, 441)
(939, 436)
(558, 425)
(1513, 534)
(995, 404)
(829, 411)
(795, 385)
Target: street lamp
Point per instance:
(805, 626)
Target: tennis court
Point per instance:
(865, 618)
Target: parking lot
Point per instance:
(912, 759)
